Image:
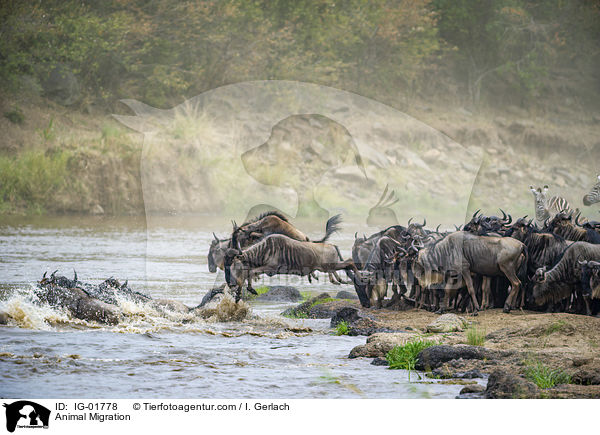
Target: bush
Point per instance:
(545, 377)
(405, 356)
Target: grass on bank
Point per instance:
(545, 377)
(405, 356)
(476, 336)
(32, 178)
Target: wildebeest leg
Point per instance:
(331, 279)
(339, 280)
(515, 286)
(485, 291)
(469, 282)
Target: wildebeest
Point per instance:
(483, 225)
(546, 208)
(564, 279)
(280, 254)
(593, 196)
(543, 248)
(590, 278)
(216, 253)
(461, 254)
(271, 222)
(563, 225)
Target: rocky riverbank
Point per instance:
(519, 353)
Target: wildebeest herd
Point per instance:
(548, 263)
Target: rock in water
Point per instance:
(447, 323)
(504, 385)
(281, 293)
(434, 356)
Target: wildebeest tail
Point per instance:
(333, 225)
(522, 271)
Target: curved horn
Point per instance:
(437, 229)
(53, 273)
(215, 236)
(408, 224)
(577, 219)
(125, 284)
(74, 275)
(476, 213)
(424, 222)
(45, 273)
(355, 235)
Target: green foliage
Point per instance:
(32, 178)
(557, 326)
(296, 315)
(545, 377)
(405, 356)
(15, 115)
(475, 336)
(322, 301)
(48, 133)
(342, 328)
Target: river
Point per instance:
(47, 354)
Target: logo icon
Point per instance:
(26, 414)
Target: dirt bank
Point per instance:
(513, 344)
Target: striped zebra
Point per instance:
(594, 195)
(548, 208)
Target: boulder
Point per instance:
(504, 385)
(588, 374)
(344, 294)
(379, 361)
(474, 388)
(447, 323)
(346, 314)
(310, 309)
(379, 344)
(280, 293)
(434, 356)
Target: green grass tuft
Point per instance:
(557, 326)
(342, 328)
(322, 301)
(405, 356)
(545, 377)
(475, 336)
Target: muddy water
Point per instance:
(45, 353)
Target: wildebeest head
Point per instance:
(216, 253)
(593, 196)
(520, 229)
(590, 278)
(560, 221)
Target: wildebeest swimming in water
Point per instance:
(98, 303)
